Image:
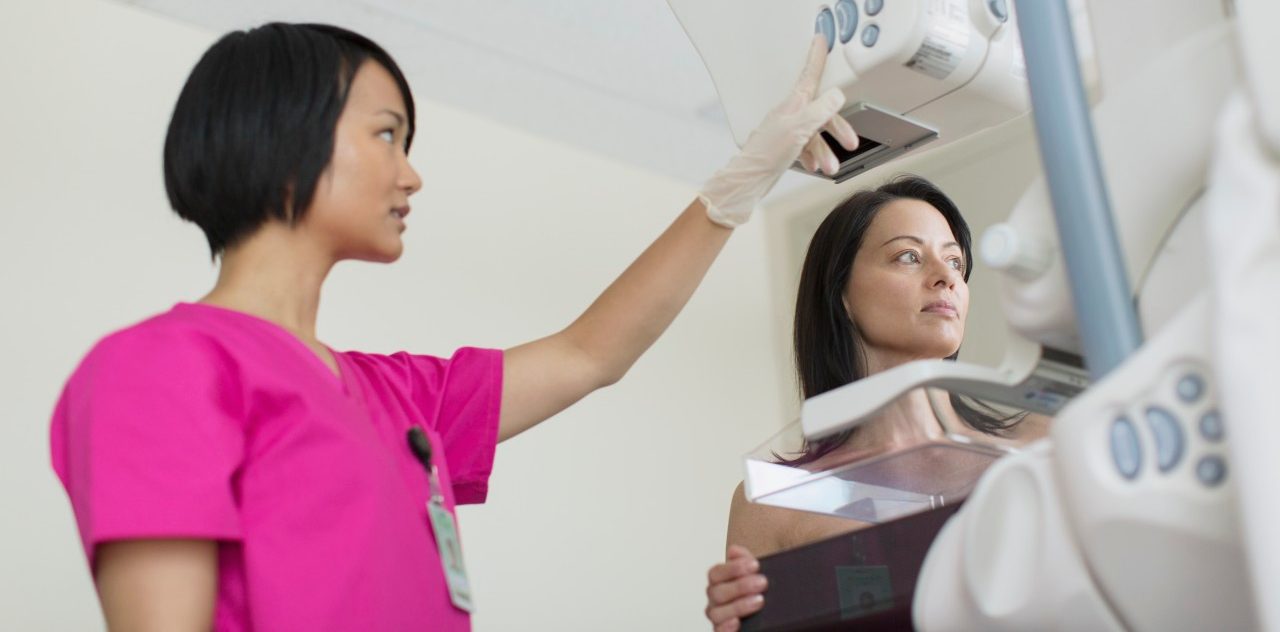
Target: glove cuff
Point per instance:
(718, 216)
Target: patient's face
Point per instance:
(906, 291)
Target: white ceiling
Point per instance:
(617, 78)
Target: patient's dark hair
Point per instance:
(253, 128)
(828, 345)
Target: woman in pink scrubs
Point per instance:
(229, 470)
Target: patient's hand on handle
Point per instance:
(735, 589)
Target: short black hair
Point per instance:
(253, 128)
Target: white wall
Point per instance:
(604, 518)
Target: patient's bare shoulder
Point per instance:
(1033, 426)
(765, 529)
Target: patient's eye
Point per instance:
(909, 256)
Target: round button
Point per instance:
(1211, 470)
(826, 24)
(1211, 426)
(870, 34)
(1125, 450)
(873, 6)
(846, 19)
(999, 8)
(1190, 387)
(1168, 434)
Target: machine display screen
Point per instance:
(843, 155)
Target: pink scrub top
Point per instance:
(212, 424)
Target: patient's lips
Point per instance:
(942, 308)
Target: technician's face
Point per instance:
(906, 292)
(363, 195)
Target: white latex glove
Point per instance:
(790, 131)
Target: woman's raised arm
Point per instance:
(545, 376)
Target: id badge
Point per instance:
(443, 525)
(445, 528)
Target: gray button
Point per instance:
(1168, 434)
(1190, 387)
(870, 35)
(873, 6)
(1125, 450)
(846, 19)
(1211, 470)
(999, 8)
(1211, 426)
(826, 24)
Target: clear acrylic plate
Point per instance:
(883, 472)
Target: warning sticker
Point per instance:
(946, 39)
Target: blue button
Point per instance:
(870, 35)
(873, 6)
(1168, 434)
(1125, 450)
(826, 24)
(999, 8)
(1190, 387)
(1211, 470)
(1211, 426)
(846, 19)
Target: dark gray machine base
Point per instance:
(863, 580)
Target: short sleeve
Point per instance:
(147, 438)
(462, 398)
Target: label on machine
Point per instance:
(946, 39)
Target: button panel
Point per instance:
(1177, 421)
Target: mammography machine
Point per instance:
(1150, 248)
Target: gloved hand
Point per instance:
(790, 131)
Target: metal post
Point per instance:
(1105, 314)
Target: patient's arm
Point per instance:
(735, 588)
(758, 528)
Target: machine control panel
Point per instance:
(1181, 401)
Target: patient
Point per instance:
(884, 282)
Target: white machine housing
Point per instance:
(912, 72)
